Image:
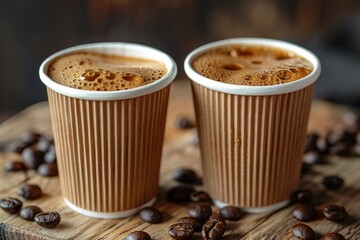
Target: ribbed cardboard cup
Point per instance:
(252, 137)
(109, 143)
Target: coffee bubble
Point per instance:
(89, 75)
(232, 67)
(251, 65)
(103, 72)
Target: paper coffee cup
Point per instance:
(109, 143)
(252, 137)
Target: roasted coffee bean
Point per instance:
(357, 149)
(10, 205)
(303, 231)
(48, 169)
(340, 135)
(181, 231)
(15, 166)
(50, 156)
(44, 144)
(16, 146)
(313, 157)
(305, 168)
(340, 149)
(200, 196)
(357, 137)
(217, 215)
(184, 123)
(322, 145)
(333, 182)
(30, 137)
(213, 229)
(335, 213)
(48, 219)
(32, 157)
(231, 213)
(195, 223)
(151, 215)
(185, 175)
(30, 191)
(138, 235)
(304, 212)
(201, 212)
(351, 119)
(311, 139)
(333, 236)
(302, 196)
(180, 194)
(29, 212)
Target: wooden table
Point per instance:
(178, 152)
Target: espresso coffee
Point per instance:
(255, 65)
(104, 72)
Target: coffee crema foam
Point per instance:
(104, 72)
(252, 65)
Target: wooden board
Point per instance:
(178, 152)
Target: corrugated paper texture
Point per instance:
(251, 146)
(109, 151)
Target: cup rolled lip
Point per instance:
(117, 48)
(253, 90)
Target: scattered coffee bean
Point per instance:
(32, 157)
(201, 212)
(185, 175)
(313, 157)
(311, 139)
(217, 215)
(50, 156)
(48, 169)
(333, 182)
(333, 236)
(322, 145)
(335, 213)
(44, 144)
(213, 229)
(14, 166)
(357, 149)
(340, 149)
(10, 205)
(16, 146)
(357, 138)
(302, 196)
(29, 212)
(138, 235)
(30, 191)
(340, 135)
(195, 223)
(48, 219)
(184, 123)
(29, 137)
(305, 168)
(303, 231)
(304, 212)
(351, 119)
(180, 194)
(231, 213)
(181, 231)
(200, 196)
(151, 215)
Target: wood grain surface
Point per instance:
(178, 152)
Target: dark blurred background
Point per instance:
(32, 30)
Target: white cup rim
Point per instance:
(253, 90)
(119, 48)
